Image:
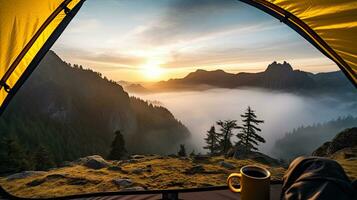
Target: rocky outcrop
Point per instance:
(123, 182)
(23, 175)
(93, 162)
(241, 153)
(345, 139)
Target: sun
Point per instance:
(152, 70)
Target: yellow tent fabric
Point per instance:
(330, 25)
(27, 30)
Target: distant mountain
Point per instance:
(136, 88)
(73, 112)
(277, 76)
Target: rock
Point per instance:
(201, 158)
(131, 161)
(81, 181)
(115, 168)
(56, 176)
(36, 182)
(195, 169)
(93, 162)
(345, 154)
(138, 188)
(344, 139)
(227, 165)
(123, 182)
(24, 174)
(322, 150)
(138, 171)
(241, 154)
(137, 157)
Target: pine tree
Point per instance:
(212, 141)
(248, 136)
(15, 156)
(42, 159)
(182, 151)
(192, 154)
(226, 128)
(118, 150)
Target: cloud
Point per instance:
(83, 26)
(107, 59)
(236, 55)
(188, 19)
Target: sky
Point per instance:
(152, 40)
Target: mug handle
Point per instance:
(229, 182)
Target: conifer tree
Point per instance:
(248, 136)
(226, 128)
(192, 154)
(15, 156)
(42, 159)
(212, 141)
(182, 151)
(118, 150)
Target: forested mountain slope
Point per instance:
(73, 112)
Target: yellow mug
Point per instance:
(254, 183)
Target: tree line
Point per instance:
(15, 157)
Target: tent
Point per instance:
(28, 29)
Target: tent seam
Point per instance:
(28, 46)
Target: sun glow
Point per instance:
(152, 70)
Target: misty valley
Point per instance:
(73, 126)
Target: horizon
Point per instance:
(198, 69)
(141, 41)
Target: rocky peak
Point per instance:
(276, 67)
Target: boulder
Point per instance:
(137, 157)
(227, 165)
(123, 182)
(24, 174)
(195, 169)
(138, 171)
(36, 182)
(241, 153)
(93, 162)
(201, 158)
(80, 181)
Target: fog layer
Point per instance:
(282, 112)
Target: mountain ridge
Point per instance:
(277, 76)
